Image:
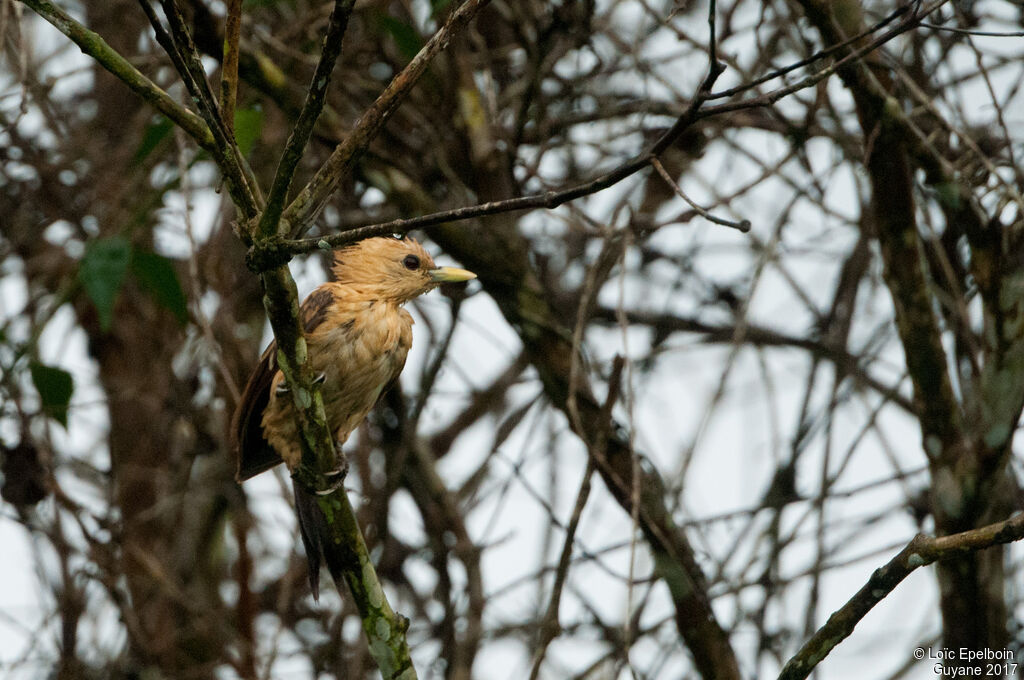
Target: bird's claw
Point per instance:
(335, 478)
(283, 389)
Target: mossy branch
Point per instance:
(385, 630)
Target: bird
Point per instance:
(358, 336)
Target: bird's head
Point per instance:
(396, 269)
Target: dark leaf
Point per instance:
(55, 386)
(101, 273)
(25, 481)
(157, 276)
(406, 37)
(155, 133)
(248, 127)
(438, 6)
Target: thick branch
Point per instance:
(895, 216)
(385, 630)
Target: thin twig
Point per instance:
(182, 52)
(970, 31)
(817, 56)
(553, 199)
(550, 627)
(742, 225)
(179, 47)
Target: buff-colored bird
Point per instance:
(358, 336)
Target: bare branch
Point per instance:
(311, 200)
(921, 551)
(311, 109)
(97, 48)
(229, 67)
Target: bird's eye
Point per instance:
(411, 262)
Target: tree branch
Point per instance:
(178, 45)
(229, 66)
(896, 227)
(385, 630)
(553, 199)
(311, 200)
(921, 551)
(311, 108)
(96, 47)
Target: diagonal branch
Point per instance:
(921, 551)
(311, 109)
(384, 628)
(96, 47)
(182, 51)
(892, 200)
(311, 200)
(553, 199)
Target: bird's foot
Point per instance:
(335, 478)
(283, 389)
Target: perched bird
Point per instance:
(358, 336)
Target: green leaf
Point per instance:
(948, 194)
(248, 126)
(155, 133)
(55, 386)
(157, 276)
(406, 37)
(101, 273)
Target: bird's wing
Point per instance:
(253, 454)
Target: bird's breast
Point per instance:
(359, 354)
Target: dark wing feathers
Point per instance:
(253, 454)
(314, 309)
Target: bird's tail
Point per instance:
(316, 538)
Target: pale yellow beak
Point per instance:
(450, 275)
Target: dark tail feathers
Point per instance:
(316, 537)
